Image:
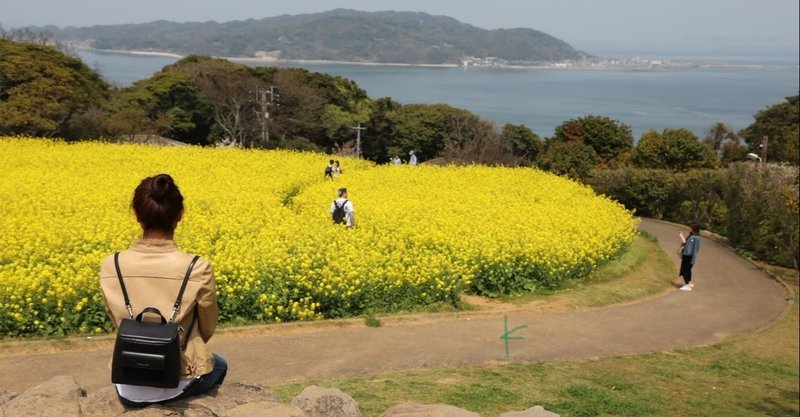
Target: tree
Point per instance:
(42, 90)
(379, 133)
(725, 143)
(780, 124)
(606, 136)
(299, 108)
(421, 128)
(572, 159)
(173, 102)
(129, 122)
(230, 91)
(675, 149)
(522, 142)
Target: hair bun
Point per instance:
(163, 185)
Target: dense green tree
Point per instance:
(173, 104)
(608, 137)
(763, 215)
(379, 134)
(428, 128)
(43, 91)
(676, 149)
(522, 142)
(572, 159)
(780, 124)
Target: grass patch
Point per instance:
(756, 374)
(642, 271)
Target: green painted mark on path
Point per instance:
(507, 334)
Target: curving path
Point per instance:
(731, 296)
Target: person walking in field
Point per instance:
(342, 211)
(337, 169)
(412, 159)
(329, 169)
(689, 248)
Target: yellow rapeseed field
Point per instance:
(424, 235)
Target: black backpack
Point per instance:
(149, 353)
(338, 213)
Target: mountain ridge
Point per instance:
(336, 35)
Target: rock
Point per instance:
(535, 411)
(102, 403)
(152, 411)
(266, 408)
(412, 409)
(6, 396)
(326, 402)
(218, 401)
(57, 397)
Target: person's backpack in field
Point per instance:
(339, 213)
(149, 353)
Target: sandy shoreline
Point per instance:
(604, 64)
(266, 60)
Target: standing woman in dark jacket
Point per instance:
(153, 269)
(689, 248)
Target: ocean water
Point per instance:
(692, 98)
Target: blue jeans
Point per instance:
(203, 384)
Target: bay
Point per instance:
(694, 98)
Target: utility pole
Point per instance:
(358, 139)
(263, 114)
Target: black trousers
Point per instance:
(686, 268)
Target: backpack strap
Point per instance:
(189, 332)
(122, 284)
(183, 287)
(177, 304)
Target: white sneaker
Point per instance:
(687, 287)
(691, 285)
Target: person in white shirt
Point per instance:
(412, 160)
(342, 210)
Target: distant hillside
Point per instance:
(339, 35)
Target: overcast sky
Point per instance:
(597, 26)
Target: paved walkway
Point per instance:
(731, 296)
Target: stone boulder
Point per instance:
(218, 401)
(57, 397)
(266, 408)
(326, 402)
(535, 411)
(6, 396)
(412, 409)
(101, 403)
(62, 397)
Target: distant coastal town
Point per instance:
(635, 64)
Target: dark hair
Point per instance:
(695, 228)
(342, 191)
(158, 203)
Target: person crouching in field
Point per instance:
(154, 270)
(689, 248)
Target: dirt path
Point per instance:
(731, 296)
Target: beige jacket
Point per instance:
(153, 271)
